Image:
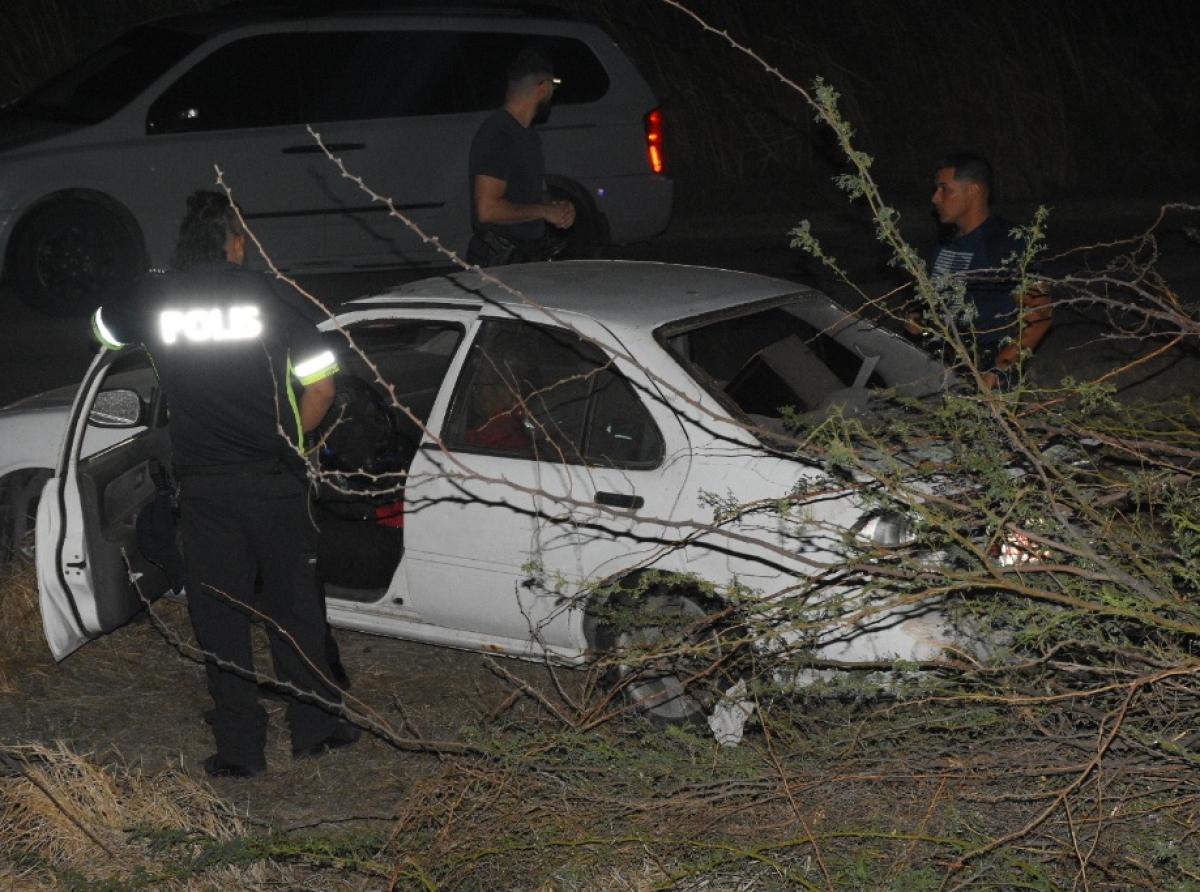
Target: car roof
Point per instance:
(622, 293)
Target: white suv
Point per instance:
(96, 164)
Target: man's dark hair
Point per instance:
(530, 62)
(209, 223)
(969, 167)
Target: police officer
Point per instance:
(230, 347)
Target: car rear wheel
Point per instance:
(663, 645)
(70, 255)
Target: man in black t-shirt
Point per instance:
(231, 348)
(507, 174)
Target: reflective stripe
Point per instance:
(103, 335)
(213, 324)
(320, 366)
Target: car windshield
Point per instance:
(769, 361)
(109, 79)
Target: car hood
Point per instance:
(59, 398)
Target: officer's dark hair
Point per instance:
(969, 167)
(210, 221)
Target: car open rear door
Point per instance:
(92, 577)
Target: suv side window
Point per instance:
(363, 75)
(360, 75)
(252, 82)
(582, 75)
(540, 393)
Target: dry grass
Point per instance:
(24, 649)
(65, 817)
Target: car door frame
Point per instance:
(92, 577)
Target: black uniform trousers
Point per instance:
(236, 527)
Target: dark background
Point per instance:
(1069, 99)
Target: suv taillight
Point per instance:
(654, 139)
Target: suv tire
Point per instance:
(70, 255)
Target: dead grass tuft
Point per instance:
(25, 650)
(65, 816)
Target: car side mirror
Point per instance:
(116, 408)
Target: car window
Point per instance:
(582, 76)
(768, 360)
(294, 78)
(404, 357)
(109, 79)
(254, 82)
(360, 75)
(535, 392)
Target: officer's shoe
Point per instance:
(215, 766)
(343, 734)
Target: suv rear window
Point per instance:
(315, 77)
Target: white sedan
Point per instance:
(508, 456)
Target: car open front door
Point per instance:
(92, 577)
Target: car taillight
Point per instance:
(654, 139)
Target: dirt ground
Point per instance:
(131, 698)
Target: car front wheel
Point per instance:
(664, 647)
(70, 255)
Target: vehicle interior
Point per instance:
(773, 363)
(390, 375)
(386, 389)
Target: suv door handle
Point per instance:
(619, 500)
(333, 147)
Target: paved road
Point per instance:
(40, 352)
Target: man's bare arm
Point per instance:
(492, 207)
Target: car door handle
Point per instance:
(619, 500)
(333, 147)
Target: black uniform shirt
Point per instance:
(504, 150)
(226, 343)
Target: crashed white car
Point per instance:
(508, 453)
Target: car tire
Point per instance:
(588, 236)
(70, 255)
(660, 691)
(20, 493)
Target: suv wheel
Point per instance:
(589, 234)
(73, 254)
